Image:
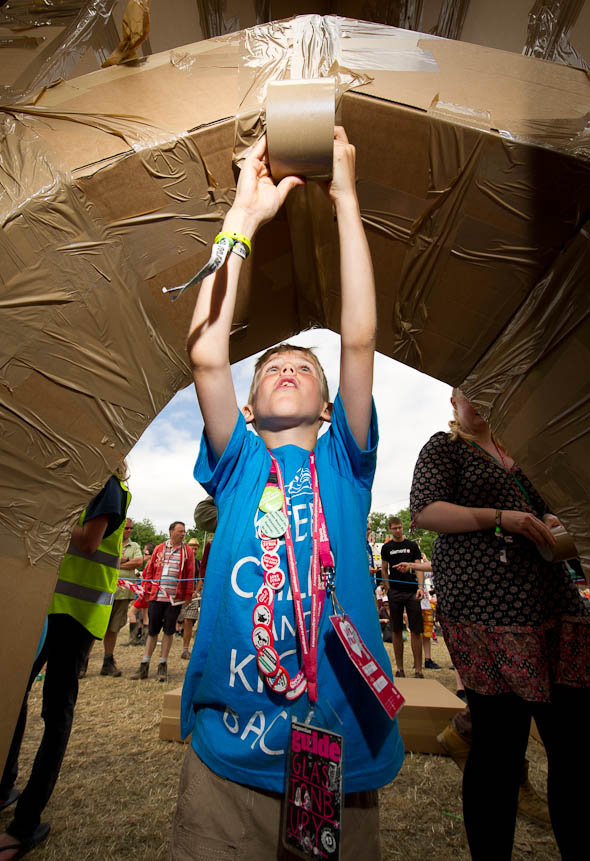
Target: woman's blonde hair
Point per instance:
(457, 432)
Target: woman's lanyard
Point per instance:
(508, 471)
(322, 560)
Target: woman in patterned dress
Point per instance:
(516, 627)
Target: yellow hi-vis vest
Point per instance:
(86, 584)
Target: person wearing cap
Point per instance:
(191, 610)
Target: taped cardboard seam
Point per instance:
(312, 46)
(59, 58)
(135, 131)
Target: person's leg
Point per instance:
(132, 618)
(150, 645)
(156, 615)
(166, 646)
(491, 779)
(568, 764)
(67, 645)
(426, 649)
(116, 622)
(416, 643)
(170, 617)
(396, 611)
(398, 650)
(416, 626)
(187, 634)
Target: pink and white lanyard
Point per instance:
(322, 565)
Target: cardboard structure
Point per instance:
(474, 182)
(428, 709)
(170, 720)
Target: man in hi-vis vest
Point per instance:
(79, 613)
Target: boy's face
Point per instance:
(288, 394)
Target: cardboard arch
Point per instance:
(114, 185)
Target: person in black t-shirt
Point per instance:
(405, 592)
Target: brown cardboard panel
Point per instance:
(26, 592)
(427, 711)
(482, 82)
(460, 255)
(532, 386)
(170, 720)
(463, 227)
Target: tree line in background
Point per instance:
(423, 537)
(144, 531)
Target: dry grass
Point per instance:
(117, 790)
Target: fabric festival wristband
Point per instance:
(218, 257)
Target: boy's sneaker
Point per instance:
(418, 675)
(162, 671)
(109, 667)
(431, 665)
(143, 671)
(400, 674)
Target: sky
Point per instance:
(410, 407)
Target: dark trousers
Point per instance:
(65, 650)
(493, 772)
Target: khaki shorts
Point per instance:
(219, 820)
(119, 614)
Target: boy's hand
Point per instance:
(257, 199)
(343, 185)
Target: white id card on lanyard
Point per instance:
(312, 812)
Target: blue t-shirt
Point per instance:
(239, 726)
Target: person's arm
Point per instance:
(404, 567)
(450, 518)
(87, 538)
(358, 317)
(128, 564)
(257, 201)
(384, 574)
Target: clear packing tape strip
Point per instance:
(312, 47)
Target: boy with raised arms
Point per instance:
(254, 667)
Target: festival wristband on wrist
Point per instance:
(241, 244)
(224, 242)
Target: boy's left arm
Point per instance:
(358, 318)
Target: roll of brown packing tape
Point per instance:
(564, 547)
(300, 128)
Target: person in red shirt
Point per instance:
(169, 582)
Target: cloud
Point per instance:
(410, 406)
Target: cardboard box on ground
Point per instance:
(115, 184)
(428, 708)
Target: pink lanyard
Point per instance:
(321, 558)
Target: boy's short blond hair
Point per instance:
(288, 348)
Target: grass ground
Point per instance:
(117, 790)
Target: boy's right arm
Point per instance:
(257, 201)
